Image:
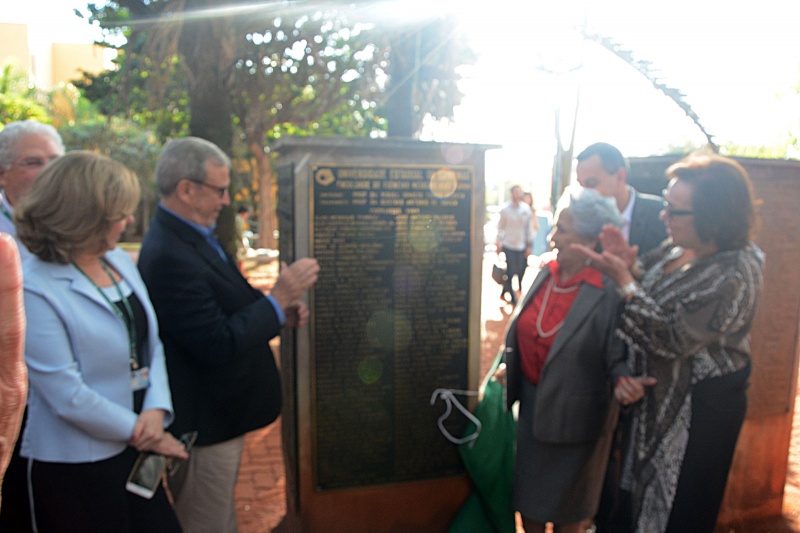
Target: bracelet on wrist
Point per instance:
(627, 290)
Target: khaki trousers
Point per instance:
(203, 488)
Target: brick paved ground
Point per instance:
(260, 497)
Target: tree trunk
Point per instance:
(266, 215)
(208, 46)
(402, 69)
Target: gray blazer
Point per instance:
(575, 390)
(647, 229)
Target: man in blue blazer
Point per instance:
(601, 166)
(215, 328)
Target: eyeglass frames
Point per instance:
(219, 190)
(676, 212)
(671, 212)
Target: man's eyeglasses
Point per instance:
(219, 190)
(32, 162)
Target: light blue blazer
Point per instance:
(80, 402)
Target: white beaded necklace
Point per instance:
(551, 286)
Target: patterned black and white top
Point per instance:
(682, 327)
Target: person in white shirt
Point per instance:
(514, 238)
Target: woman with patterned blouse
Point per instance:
(689, 309)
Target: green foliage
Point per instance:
(13, 108)
(14, 80)
(125, 141)
(776, 151)
(681, 149)
(212, 68)
(424, 74)
(83, 127)
(308, 75)
(127, 91)
(779, 150)
(18, 99)
(117, 138)
(299, 69)
(347, 122)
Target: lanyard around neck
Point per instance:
(5, 211)
(127, 317)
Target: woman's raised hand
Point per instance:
(613, 241)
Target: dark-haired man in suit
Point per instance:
(215, 328)
(601, 166)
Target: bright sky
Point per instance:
(736, 63)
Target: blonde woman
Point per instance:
(98, 383)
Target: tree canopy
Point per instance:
(231, 72)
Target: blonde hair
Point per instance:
(73, 204)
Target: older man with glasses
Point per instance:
(25, 148)
(215, 327)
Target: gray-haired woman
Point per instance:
(562, 363)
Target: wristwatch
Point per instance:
(627, 290)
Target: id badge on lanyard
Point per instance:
(140, 378)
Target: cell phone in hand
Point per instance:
(188, 440)
(146, 473)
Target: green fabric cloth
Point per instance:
(489, 461)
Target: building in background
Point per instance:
(49, 63)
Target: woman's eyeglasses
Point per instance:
(671, 212)
(676, 212)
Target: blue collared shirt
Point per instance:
(7, 226)
(208, 235)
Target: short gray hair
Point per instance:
(14, 132)
(590, 211)
(185, 159)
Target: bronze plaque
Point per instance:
(390, 321)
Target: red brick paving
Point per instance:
(260, 496)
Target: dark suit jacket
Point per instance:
(647, 229)
(575, 389)
(215, 328)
